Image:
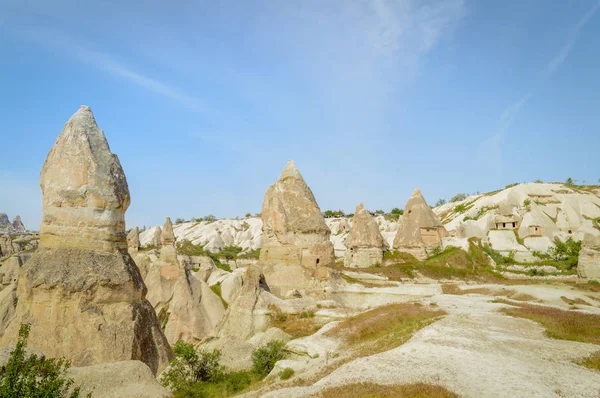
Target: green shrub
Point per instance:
(440, 202)
(31, 377)
(458, 197)
(251, 254)
(593, 282)
(264, 358)
(397, 212)
(567, 251)
(286, 373)
(187, 248)
(190, 366)
(230, 252)
(334, 213)
(526, 202)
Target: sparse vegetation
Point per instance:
(296, 325)
(194, 374)
(384, 328)
(591, 362)
(482, 211)
(255, 254)
(440, 202)
(216, 288)
(264, 358)
(511, 185)
(187, 248)
(27, 376)
(559, 324)
(286, 373)
(334, 213)
(371, 390)
(458, 197)
(503, 292)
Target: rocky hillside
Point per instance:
(519, 219)
(16, 226)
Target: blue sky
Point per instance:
(204, 102)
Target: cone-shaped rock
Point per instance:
(295, 245)
(364, 244)
(168, 253)
(420, 230)
(18, 224)
(156, 237)
(81, 292)
(167, 237)
(133, 239)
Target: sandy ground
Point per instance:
(476, 351)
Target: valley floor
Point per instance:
(476, 350)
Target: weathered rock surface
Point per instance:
(18, 225)
(365, 244)
(81, 292)
(248, 314)
(133, 240)
(295, 238)
(155, 240)
(588, 265)
(420, 230)
(5, 224)
(125, 379)
(184, 303)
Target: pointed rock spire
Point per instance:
(364, 244)
(84, 190)
(295, 239)
(167, 236)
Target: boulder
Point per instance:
(125, 379)
(588, 265)
(420, 231)
(364, 244)
(296, 249)
(80, 291)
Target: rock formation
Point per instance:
(156, 237)
(133, 240)
(17, 225)
(296, 249)
(420, 230)
(5, 224)
(186, 306)
(364, 244)
(81, 291)
(248, 314)
(588, 265)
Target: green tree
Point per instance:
(569, 181)
(458, 197)
(179, 220)
(396, 211)
(440, 202)
(190, 366)
(248, 215)
(32, 377)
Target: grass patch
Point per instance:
(296, 325)
(216, 288)
(591, 362)
(286, 373)
(573, 301)
(384, 328)
(397, 257)
(559, 324)
(252, 254)
(371, 390)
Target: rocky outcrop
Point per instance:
(5, 224)
(364, 244)
(10, 245)
(296, 249)
(155, 241)
(420, 231)
(130, 379)
(17, 225)
(588, 265)
(186, 306)
(248, 314)
(81, 292)
(133, 240)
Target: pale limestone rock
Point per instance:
(296, 249)
(125, 379)
(420, 230)
(81, 292)
(231, 285)
(168, 252)
(84, 190)
(133, 240)
(156, 237)
(248, 314)
(589, 258)
(364, 244)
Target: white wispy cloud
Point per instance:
(107, 63)
(490, 150)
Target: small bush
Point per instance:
(187, 248)
(31, 377)
(286, 373)
(254, 254)
(190, 366)
(458, 197)
(440, 202)
(264, 358)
